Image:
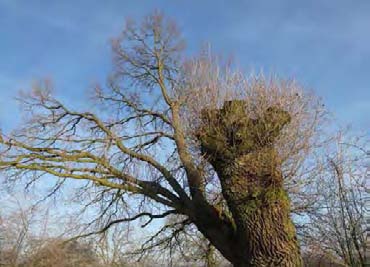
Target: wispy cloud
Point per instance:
(324, 44)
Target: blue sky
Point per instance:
(323, 44)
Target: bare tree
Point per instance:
(175, 136)
(113, 251)
(110, 249)
(56, 253)
(336, 228)
(15, 235)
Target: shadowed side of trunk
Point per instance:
(242, 152)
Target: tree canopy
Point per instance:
(164, 138)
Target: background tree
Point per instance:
(16, 233)
(336, 228)
(170, 136)
(27, 240)
(61, 254)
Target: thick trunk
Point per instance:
(261, 211)
(241, 150)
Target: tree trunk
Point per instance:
(241, 150)
(260, 207)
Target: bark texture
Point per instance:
(241, 150)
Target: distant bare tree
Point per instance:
(56, 253)
(175, 136)
(15, 235)
(336, 228)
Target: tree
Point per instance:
(337, 227)
(60, 254)
(176, 136)
(15, 235)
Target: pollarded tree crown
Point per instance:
(229, 133)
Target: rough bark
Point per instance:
(242, 153)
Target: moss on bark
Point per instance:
(241, 150)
